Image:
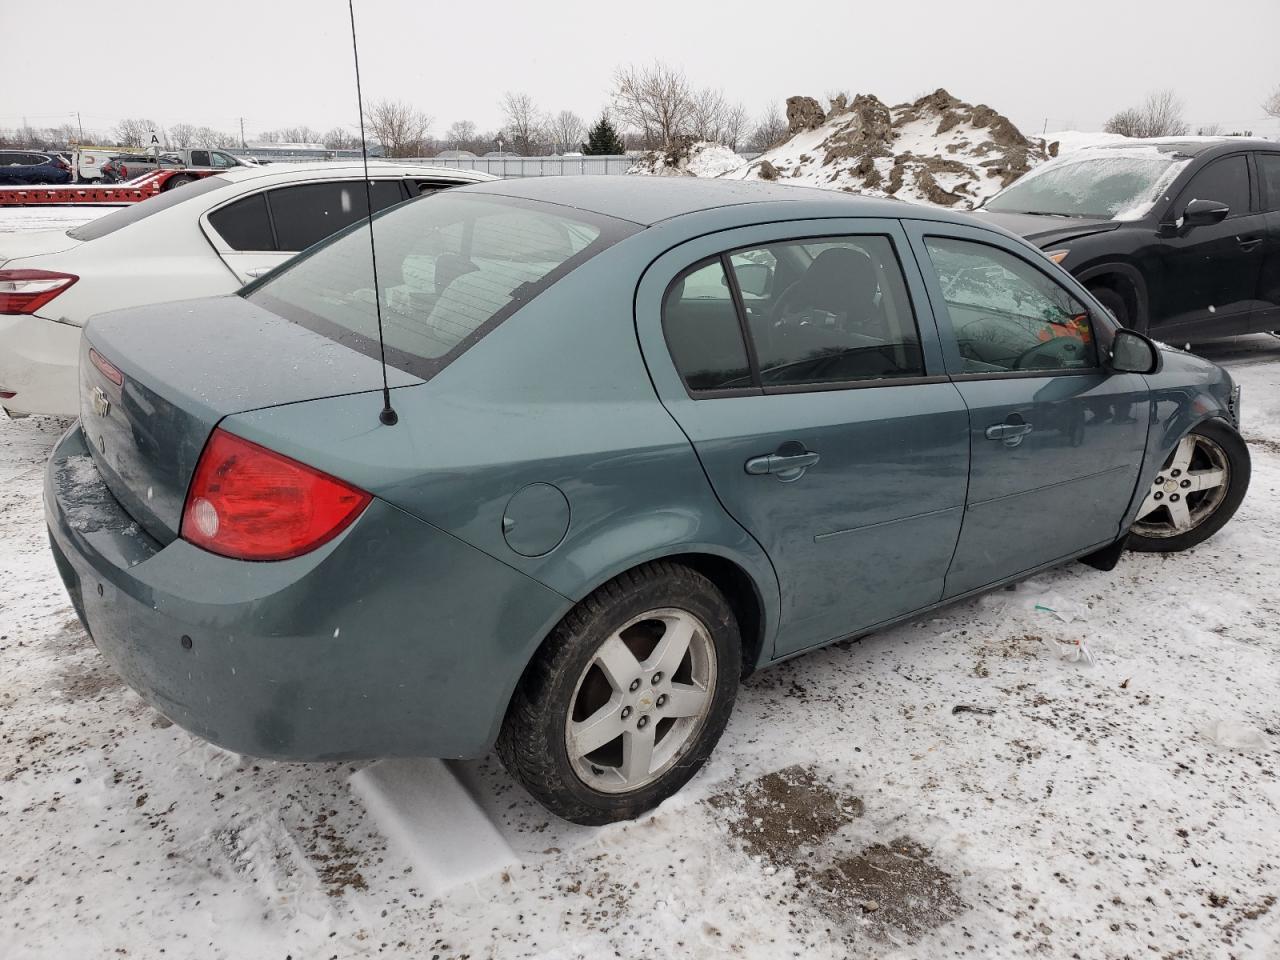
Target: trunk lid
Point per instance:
(37, 243)
(183, 367)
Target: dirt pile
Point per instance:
(937, 149)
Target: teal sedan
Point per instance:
(650, 435)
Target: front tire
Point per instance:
(627, 698)
(1198, 489)
(1114, 303)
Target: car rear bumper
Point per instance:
(39, 365)
(394, 639)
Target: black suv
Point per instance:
(1179, 238)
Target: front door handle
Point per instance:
(785, 466)
(1248, 243)
(1010, 433)
(258, 271)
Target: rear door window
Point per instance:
(1269, 170)
(308, 213)
(702, 329)
(245, 224)
(819, 313)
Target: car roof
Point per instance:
(307, 170)
(649, 200)
(1188, 146)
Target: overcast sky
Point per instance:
(287, 62)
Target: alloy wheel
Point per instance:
(1189, 487)
(641, 701)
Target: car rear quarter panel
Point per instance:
(556, 394)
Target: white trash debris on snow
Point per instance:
(952, 787)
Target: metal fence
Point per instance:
(531, 166)
(541, 166)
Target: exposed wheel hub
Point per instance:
(1189, 487)
(641, 701)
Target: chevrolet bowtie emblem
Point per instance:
(101, 404)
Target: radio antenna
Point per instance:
(388, 416)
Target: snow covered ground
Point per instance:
(1121, 809)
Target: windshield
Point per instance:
(1107, 184)
(450, 267)
(144, 208)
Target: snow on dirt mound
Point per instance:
(937, 150)
(688, 158)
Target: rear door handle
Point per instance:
(1248, 243)
(784, 466)
(258, 271)
(1010, 433)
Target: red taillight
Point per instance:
(250, 503)
(26, 291)
(106, 367)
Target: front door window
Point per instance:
(1006, 314)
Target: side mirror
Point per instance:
(1131, 352)
(1202, 213)
(753, 278)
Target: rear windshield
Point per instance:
(450, 267)
(140, 211)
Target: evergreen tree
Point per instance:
(603, 139)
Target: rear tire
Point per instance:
(180, 180)
(1211, 448)
(627, 698)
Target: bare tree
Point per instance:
(657, 100)
(566, 131)
(182, 135)
(524, 127)
(1272, 104)
(133, 132)
(208, 137)
(1159, 116)
(302, 134)
(1209, 130)
(770, 130)
(399, 127)
(733, 128)
(706, 115)
(340, 139)
(461, 134)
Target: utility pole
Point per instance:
(80, 125)
(243, 145)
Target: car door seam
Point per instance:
(1050, 486)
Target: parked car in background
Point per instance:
(128, 166)
(132, 166)
(207, 237)
(1179, 238)
(87, 162)
(29, 168)
(652, 434)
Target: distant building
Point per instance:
(299, 151)
(455, 155)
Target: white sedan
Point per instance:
(208, 237)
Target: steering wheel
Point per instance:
(1052, 354)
